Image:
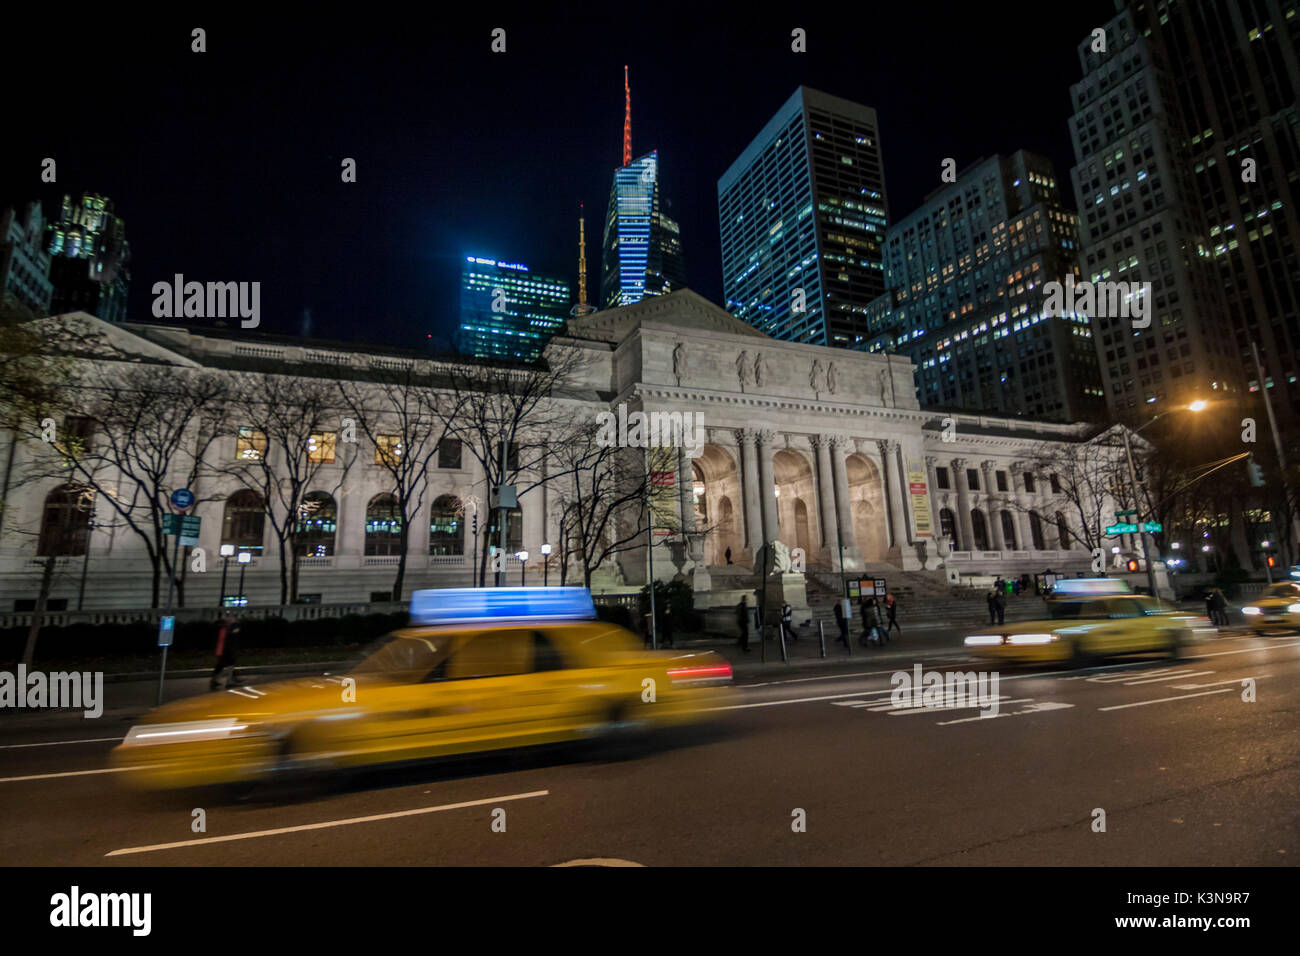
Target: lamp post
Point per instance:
(1277, 441)
(523, 565)
(245, 557)
(226, 551)
(1268, 568)
(85, 560)
(546, 565)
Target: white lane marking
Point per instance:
(799, 700)
(1174, 676)
(599, 861)
(802, 680)
(1165, 700)
(1216, 683)
(895, 709)
(1036, 708)
(328, 823)
(58, 743)
(67, 773)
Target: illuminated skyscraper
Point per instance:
(642, 247)
(24, 263)
(802, 215)
(90, 259)
(507, 311)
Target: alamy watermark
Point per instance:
(651, 430)
(31, 689)
(949, 690)
(1128, 300)
(212, 300)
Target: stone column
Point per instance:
(1023, 501)
(931, 462)
(686, 489)
(963, 504)
(748, 440)
(899, 532)
(826, 497)
(994, 505)
(767, 485)
(843, 513)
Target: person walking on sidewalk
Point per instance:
(223, 675)
(841, 623)
(787, 621)
(891, 609)
(742, 619)
(992, 598)
(1219, 604)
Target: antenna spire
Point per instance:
(627, 119)
(582, 308)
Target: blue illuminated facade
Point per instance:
(642, 247)
(507, 311)
(802, 215)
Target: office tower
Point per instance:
(507, 311)
(90, 259)
(966, 301)
(802, 214)
(642, 246)
(24, 263)
(1185, 134)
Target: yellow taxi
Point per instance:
(1277, 609)
(1088, 619)
(477, 670)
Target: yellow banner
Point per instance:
(917, 488)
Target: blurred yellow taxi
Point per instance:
(478, 670)
(1089, 619)
(1277, 609)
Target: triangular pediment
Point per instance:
(684, 309)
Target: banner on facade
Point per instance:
(663, 502)
(917, 487)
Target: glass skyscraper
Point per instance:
(642, 248)
(802, 214)
(507, 311)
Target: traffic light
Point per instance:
(1272, 561)
(1256, 472)
(1132, 565)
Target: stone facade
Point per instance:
(824, 450)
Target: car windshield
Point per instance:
(403, 655)
(1111, 607)
(1284, 590)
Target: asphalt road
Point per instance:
(1185, 770)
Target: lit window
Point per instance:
(320, 447)
(250, 445)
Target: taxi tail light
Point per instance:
(703, 672)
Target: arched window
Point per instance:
(948, 528)
(514, 529)
(446, 534)
(383, 526)
(65, 522)
(1062, 531)
(1009, 531)
(1036, 531)
(317, 525)
(979, 528)
(243, 521)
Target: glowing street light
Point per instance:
(523, 565)
(226, 551)
(546, 565)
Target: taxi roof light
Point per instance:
(471, 605)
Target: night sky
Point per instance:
(225, 165)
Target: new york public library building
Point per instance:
(823, 450)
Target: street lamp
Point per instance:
(523, 565)
(245, 557)
(546, 565)
(226, 551)
(1139, 493)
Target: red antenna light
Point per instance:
(627, 119)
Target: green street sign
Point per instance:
(1152, 527)
(1122, 529)
(171, 523)
(1124, 514)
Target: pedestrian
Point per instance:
(842, 623)
(891, 607)
(1220, 608)
(787, 621)
(871, 630)
(1209, 606)
(992, 599)
(223, 675)
(668, 625)
(1000, 602)
(742, 619)
(727, 554)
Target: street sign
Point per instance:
(171, 523)
(166, 630)
(182, 497)
(190, 530)
(1152, 527)
(1125, 514)
(880, 587)
(1122, 529)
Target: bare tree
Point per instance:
(1082, 481)
(390, 407)
(287, 448)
